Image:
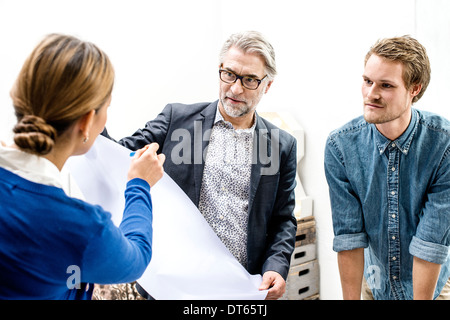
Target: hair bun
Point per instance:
(33, 134)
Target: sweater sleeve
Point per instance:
(117, 255)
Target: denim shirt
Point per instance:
(392, 198)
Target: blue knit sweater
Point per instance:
(49, 241)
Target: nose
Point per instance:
(237, 87)
(373, 92)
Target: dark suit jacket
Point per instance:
(271, 225)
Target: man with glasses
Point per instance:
(238, 168)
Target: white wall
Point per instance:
(166, 51)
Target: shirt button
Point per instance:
(393, 216)
(394, 258)
(393, 145)
(394, 277)
(393, 237)
(393, 168)
(393, 193)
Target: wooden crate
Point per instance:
(306, 231)
(302, 282)
(303, 254)
(314, 297)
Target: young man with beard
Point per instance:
(389, 181)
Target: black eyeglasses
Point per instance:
(250, 83)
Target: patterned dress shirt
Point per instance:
(225, 189)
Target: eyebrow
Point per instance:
(243, 75)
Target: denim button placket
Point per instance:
(393, 222)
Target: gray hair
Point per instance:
(252, 42)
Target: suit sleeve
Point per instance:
(283, 225)
(154, 131)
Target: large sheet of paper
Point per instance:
(188, 259)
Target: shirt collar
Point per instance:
(219, 118)
(403, 142)
(29, 166)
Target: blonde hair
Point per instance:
(411, 54)
(63, 79)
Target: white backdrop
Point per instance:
(167, 51)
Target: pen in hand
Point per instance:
(134, 152)
(146, 164)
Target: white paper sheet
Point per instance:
(188, 261)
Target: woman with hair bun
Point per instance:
(53, 246)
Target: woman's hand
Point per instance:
(147, 165)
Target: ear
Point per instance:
(268, 86)
(415, 90)
(85, 123)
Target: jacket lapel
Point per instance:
(203, 124)
(260, 139)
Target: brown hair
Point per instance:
(411, 54)
(63, 79)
